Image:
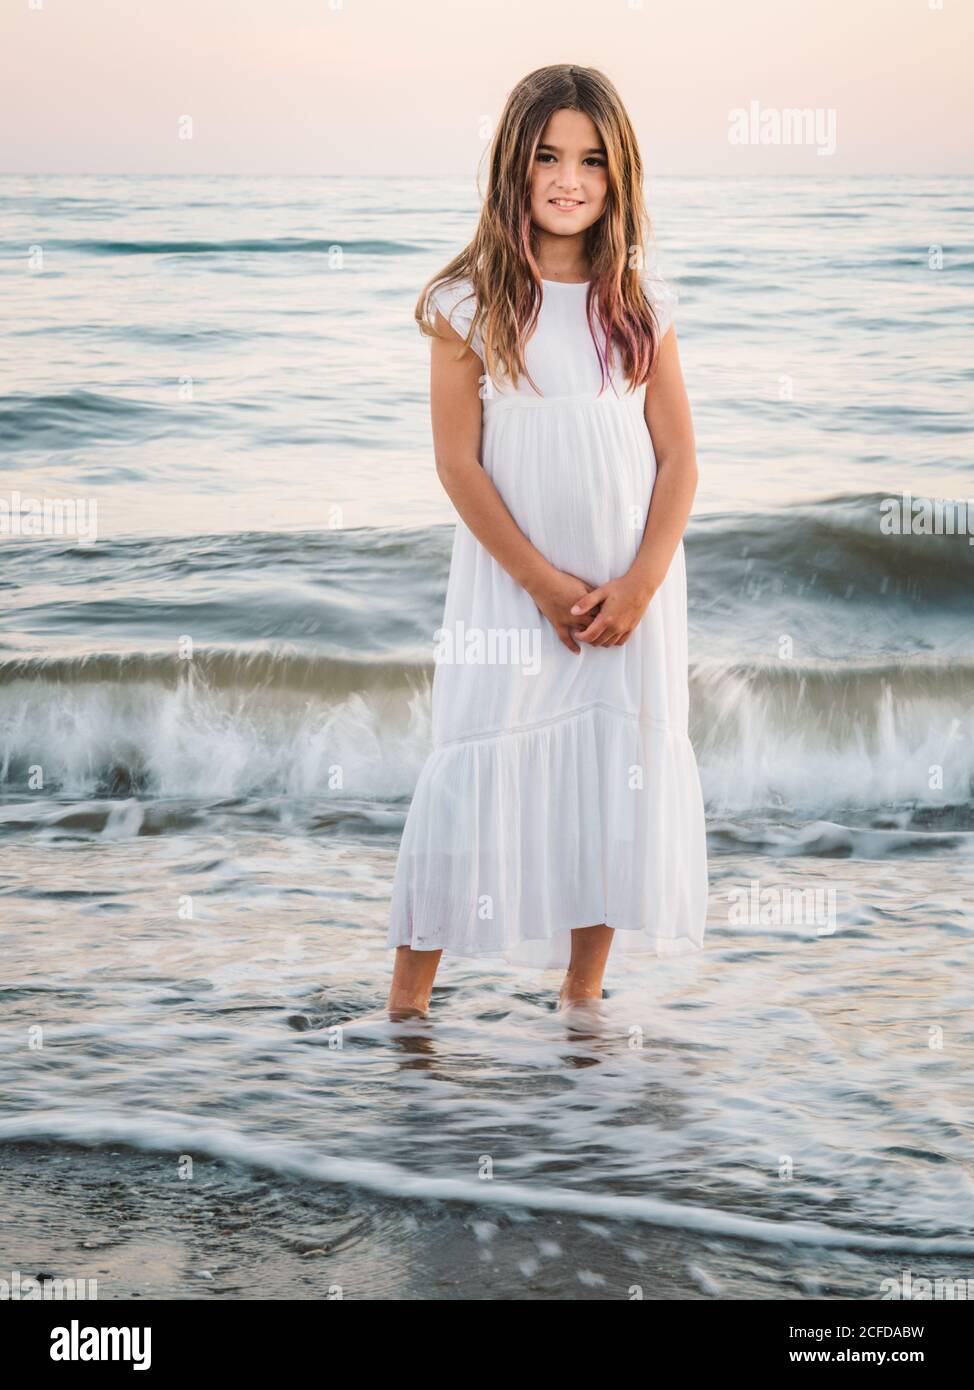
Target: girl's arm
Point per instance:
(456, 411)
(670, 425)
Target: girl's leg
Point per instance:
(412, 982)
(590, 951)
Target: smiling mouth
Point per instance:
(566, 203)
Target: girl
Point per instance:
(561, 804)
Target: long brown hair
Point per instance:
(500, 261)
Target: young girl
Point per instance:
(561, 804)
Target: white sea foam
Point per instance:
(161, 1132)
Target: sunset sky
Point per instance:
(392, 87)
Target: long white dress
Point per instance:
(562, 790)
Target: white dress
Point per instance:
(562, 790)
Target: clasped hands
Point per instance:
(602, 615)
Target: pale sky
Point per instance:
(412, 87)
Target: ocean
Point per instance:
(214, 703)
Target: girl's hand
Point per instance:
(619, 606)
(555, 595)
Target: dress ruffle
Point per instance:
(592, 817)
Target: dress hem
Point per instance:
(660, 947)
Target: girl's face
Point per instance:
(569, 182)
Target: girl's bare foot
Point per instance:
(575, 996)
(376, 1020)
(399, 1010)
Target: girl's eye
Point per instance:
(597, 160)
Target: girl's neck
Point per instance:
(562, 258)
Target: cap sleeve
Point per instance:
(663, 296)
(457, 304)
